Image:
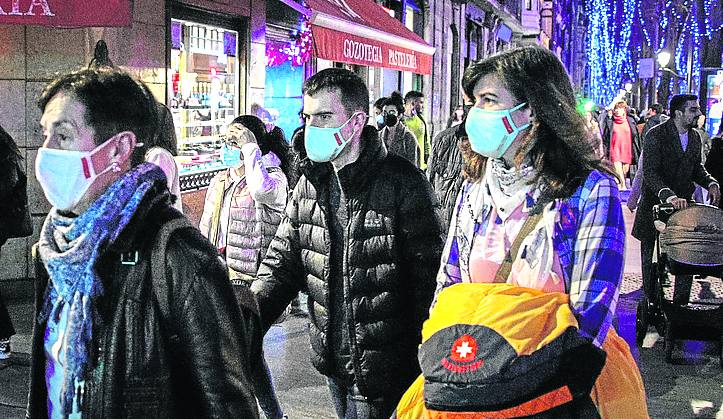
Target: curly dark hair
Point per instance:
(273, 140)
(558, 143)
(395, 99)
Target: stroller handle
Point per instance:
(662, 212)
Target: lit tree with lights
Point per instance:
(620, 32)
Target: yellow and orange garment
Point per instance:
(501, 351)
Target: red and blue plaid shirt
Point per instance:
(589, 240)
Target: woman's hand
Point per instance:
(238, 135)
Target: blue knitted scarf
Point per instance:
(69, 248)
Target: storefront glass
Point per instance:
(204, 91)
(714, 101)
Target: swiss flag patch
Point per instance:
(464, 349)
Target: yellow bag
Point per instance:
(619, 391)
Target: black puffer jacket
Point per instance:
(391, 257)
(193, 364)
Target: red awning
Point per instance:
(362, 32)
(66, 13)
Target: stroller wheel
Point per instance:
(641, 321)
(669, 343)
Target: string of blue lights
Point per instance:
(617, 29)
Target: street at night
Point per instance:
(359, 209)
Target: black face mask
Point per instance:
(390, 120)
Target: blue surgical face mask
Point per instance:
(380, 119)
(325, 144)
(491, 133)
(230, 156)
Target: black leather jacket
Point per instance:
(192, 365)
(445, 169)
(391, 256)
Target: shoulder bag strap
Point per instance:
(504, 271)
(158, 265)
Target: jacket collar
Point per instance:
(354, 175)
(135, 232)
(675, 138)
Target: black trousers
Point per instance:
(6, 324)
(683, 283)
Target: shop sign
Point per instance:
(66, 13)
(348, 48)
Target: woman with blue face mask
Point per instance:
(538, 208)
(243, 208)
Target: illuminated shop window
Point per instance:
(203, 93)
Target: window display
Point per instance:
(714, 101)
(204, 92)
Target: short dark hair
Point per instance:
(563, 149)
(657, 107)
(379, 103)
(677, 103)
(351, 87)
(395, 99)
(412, 95)
(114, 102)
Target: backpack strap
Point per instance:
(504, 271)
(158, 265)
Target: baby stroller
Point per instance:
(690, 243)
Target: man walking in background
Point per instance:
(413, 119)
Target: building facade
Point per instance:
(210, 60)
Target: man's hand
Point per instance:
(238, 135)
(679, 203)
(714, 194)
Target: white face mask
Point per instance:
(66, 175)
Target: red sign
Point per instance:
(66, 13)
(362, 32)
(347, 48)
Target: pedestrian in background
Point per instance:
(673, 166)
(714, 162)
(596, 137)
(14, 218)
(135, 313)
(396, 136)
(701, 194)
(360, 237)
(460, 112)
(622, 135)
(654, 117)
(243, 208)
(414, 120)
(162, 146)
(379, 113)
(445, 166)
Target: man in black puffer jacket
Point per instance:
(362, 237)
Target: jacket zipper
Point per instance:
(361, 384)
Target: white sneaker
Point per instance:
(4, 348)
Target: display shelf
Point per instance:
(196, 178)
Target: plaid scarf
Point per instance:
(69, 248)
